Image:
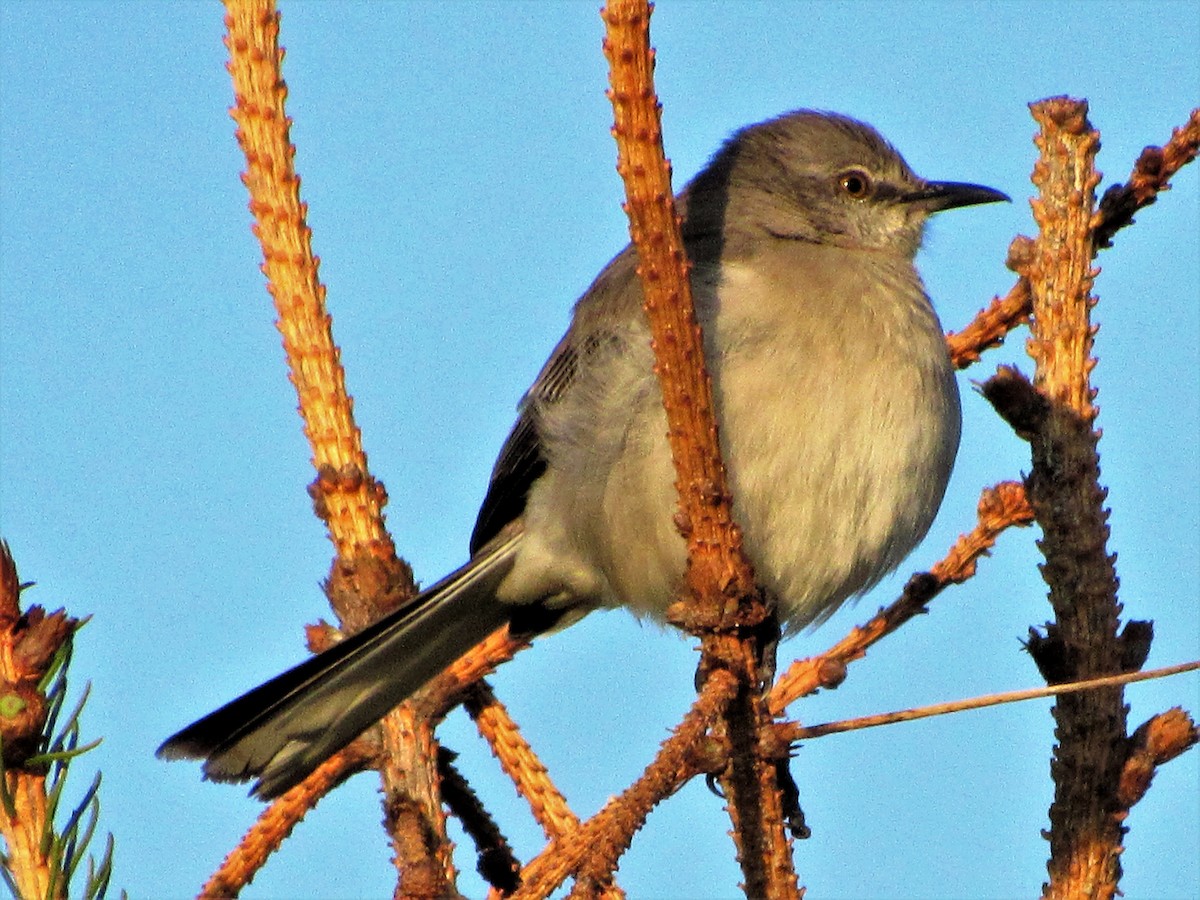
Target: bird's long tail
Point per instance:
(283, 729)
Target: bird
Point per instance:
(838, 414)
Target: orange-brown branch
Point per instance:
(601, 840)
(519, 761)
(352, 500)
(366, 577)
(1068, 501)
(1155, 743)
(989, 328)
(717, 567)
(1151, 175)
(722, 597)
(277, 821)
(1000, 507)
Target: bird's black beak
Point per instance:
(938, 195)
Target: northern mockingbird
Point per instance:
(839, 422)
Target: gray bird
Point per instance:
(839, 422)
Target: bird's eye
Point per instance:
(856, 184)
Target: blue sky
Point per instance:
(460, 177)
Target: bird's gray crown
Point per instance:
(819, 178)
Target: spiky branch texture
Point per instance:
(730, 732)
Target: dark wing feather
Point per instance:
(521, 461)
(522, 458)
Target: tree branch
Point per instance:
(1068, 501)
(599, 843)
(1000, 507)
(723, 607)
(366, 578)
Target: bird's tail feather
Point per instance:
(281, 730)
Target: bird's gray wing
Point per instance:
(522, 459)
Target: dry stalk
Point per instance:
(276, 822)
(366, 579)
(595, 847)
(1000, 507)
(1064, 490)
(723, 606)
(1156, 750)
(1151, 174)
(519, 761)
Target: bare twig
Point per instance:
(351, 500)
(599, 843)
(1068, 501)
(277, 821)
(1000, 507)
(717, 567)
(1155, 742)
(520, 763)
(450, 686)
(497, 863)
(723, 606)
(1151, 174)
(791, 732)
(366, 577)
(989, 328)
